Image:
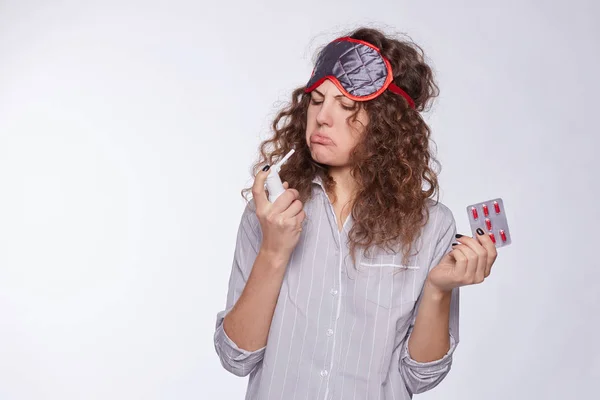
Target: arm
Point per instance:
(256, 276)
(249, 321)
(267, 236)
(430, 340)
(433, 335)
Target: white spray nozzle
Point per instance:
(273, 182)
(277, 166)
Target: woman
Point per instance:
(347, 285)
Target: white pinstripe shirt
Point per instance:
(339, 332)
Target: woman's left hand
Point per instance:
(469, 263)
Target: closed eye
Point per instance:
(316, 103)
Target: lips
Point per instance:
(320, 139)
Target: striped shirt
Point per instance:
(339, 330)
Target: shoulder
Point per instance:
(441, 218)
(249, 217)
(250, 207)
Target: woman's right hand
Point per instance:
(281, 221)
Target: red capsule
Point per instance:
(488, 223)
(503, 235)
(497, 207)
(492, 237)
(486, 212)
(474, 212)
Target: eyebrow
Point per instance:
(322, 95)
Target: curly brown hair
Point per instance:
(391, 161)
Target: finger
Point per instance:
(293, 209)
(468, 275)
(286, 185)
(300, 218)
(284, 200)
(476, 266)
(478, 253)
(258, 188)
(490, 247)
(461, 261)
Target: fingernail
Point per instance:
(454, 244)
(479, 231)
(266, 168)
(458, 235)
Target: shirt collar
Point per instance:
(317, 179)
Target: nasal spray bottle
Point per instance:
(274, 185)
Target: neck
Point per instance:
(344, 183)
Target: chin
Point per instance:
(321, 155)
(327, 160)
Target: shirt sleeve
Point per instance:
(238, 361)
(421, 377)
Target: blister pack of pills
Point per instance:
(490, 216)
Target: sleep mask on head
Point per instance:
(357, 68)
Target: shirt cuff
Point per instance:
(232, 351)
(431, 365)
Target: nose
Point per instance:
(324, 114)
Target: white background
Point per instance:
(127, 130)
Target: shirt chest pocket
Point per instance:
(385, 281)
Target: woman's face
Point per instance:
(329, 135)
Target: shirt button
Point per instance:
(324, 373)
(329, 332)
(333, 292)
